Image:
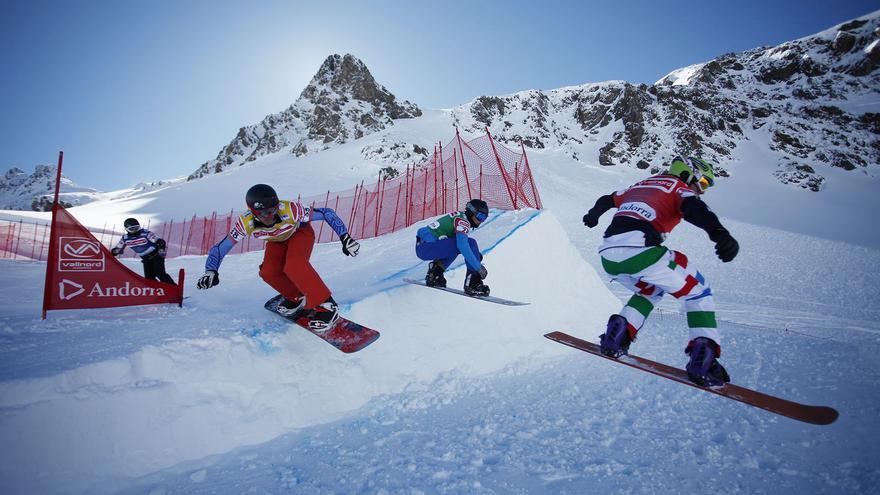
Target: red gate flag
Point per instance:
(81, 273)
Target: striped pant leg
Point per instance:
(676, 276)
(640, 305)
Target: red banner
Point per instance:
(81, 273)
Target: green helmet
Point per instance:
(693, 171)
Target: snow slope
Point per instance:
(222, 397)
(235, 378)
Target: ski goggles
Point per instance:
(705, 183)
(268, 212)
(702, 180)
(133, 229)
(479, 215)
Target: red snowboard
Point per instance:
(345, 335)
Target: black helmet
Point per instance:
(261, 196)
(476, 209)
(132, 226)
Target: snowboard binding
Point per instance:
(324, 316)
(289, 307)
(434, 277)
(474, 286)
(616, 339)
(319, 319)
(703, 367)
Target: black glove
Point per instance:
(591, 220)
(603, 204)
(160, 247)
(726, 246)
(208, 280)
(483, 272)
(115, 251)
(349, 246)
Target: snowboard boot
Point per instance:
(474, 286)
(289, 307)
(434, 277)
(323, 316)
(703, 367)
(616, 339)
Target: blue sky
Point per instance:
(143, 91)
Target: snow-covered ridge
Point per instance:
(814, 101)
(20, 191)
(681, 76)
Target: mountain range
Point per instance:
(22, 191)
(804, 100)
(810, 104)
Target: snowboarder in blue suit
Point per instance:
(445, 238)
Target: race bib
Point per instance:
(639, 209)
(237, 233)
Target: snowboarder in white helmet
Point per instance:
(286, 228)
(147, 245)
(633, 254)
(445, 238)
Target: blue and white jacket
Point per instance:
(143, 243)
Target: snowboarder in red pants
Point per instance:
(285, 226)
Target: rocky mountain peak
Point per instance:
(13, 175)
(814, 101)
(341, 103)
(345, 75)
(22, 191)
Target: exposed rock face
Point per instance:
(394, 152)
(805, 98)
(22, 191)
(341, 103)
(801, 175)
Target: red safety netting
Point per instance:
(455, 172)
(25, 241)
